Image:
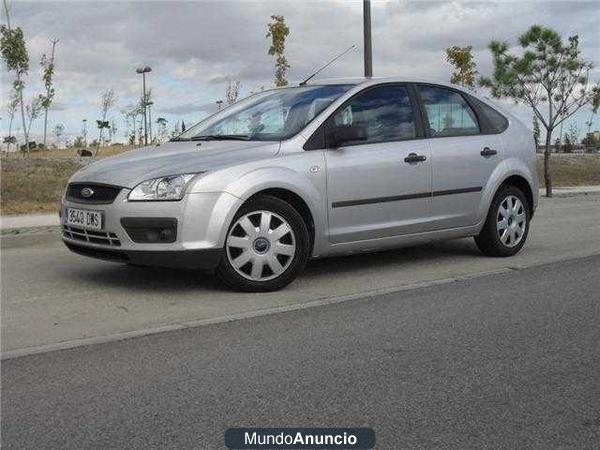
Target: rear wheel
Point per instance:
(507, 225)
(266, 246)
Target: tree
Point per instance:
(106, 103)
(14, 54)
(58, 131)
(464, 64)
(112, 130)
(573, 135)
(162, 128)
(47, 64)
(588, 124)
(550, 76)
(32, 111)
(176, 130)
(232, 92)
(536, 131)
(130, 117)
(9, 140)
(79, 142)
(11, 109)
(278, 32)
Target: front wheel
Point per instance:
(507, 225)
(267, 246)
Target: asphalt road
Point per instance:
(502, 361)
(52, 298)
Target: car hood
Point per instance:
(132, 167)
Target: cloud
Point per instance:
(195, 47)
(190, 108)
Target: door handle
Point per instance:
(488, 152)
(413, 158)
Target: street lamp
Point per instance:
(149, 105)
(144, 71)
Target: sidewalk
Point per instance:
(52, 220)
(29, 221)
(572, 190)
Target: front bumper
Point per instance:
(180, 259)
(201, 221)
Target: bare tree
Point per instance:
(47, 64)
(107, 102)
(232, 92)
(162, 128)
(58, 131)
(11, 109)
(32, 111)
(14, 53)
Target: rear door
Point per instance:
(463, 156)
(380, 187)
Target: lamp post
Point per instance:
(367, 38)
(144, 71)
(149, 105)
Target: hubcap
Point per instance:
(261, 245)
(511, 221)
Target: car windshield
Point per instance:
(267, 116)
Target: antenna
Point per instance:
(327, 65)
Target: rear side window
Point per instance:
(495, 122)
(385, 111)
(448, 113)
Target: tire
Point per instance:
(507, 224)
(266, 247)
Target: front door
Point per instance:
(379, 187)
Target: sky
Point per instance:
(195, 47)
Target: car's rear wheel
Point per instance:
(266, 247)
(507, 225)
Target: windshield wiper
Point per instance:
(221, 137)
(178, 139)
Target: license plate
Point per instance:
(84, 218)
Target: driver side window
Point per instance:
(385, 112)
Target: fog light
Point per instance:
(167, 235)
(151, 230)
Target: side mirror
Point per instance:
(342, 134)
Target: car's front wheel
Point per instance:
(507, 225)
(266, 247)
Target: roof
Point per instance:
(360, 80)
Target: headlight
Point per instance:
(164, 188)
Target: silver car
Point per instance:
(331, 168)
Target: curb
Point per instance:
(566, 193)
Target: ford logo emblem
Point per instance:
(87, 192)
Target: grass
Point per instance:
(35, 184)
(571, 169)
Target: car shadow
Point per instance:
(170, 280)
(436, 252)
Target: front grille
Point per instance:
(101, 194)
(93, 237)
